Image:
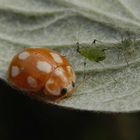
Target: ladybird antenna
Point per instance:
(76, 88)
(80, 84)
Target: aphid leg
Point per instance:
(125, 58)
(123, 51)
(78, 50)
(78, 47)
(127, 44)
(122, 48)
(133, 46)
(108, 74)
(84, 73)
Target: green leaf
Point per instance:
(59, 24)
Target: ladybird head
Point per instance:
(61, 82)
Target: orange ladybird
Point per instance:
(42, 69)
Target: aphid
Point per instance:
(127, 45)
(42, 70)
(92, 53)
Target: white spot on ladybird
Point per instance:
(69, 69)
(31, 81)
(23, 55)
(57, 58)
(44, 66)
(14, 71)
(60, 72)
(55, 92)
(52, 91)
(71, 72)
(50, 81)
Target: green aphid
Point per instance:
(92, 53)
(127, 47)
(125, 43)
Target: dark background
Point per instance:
(24, 118)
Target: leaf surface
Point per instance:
(111, 85)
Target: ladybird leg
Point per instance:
(67, 95)
(59, 99)
(78, 86)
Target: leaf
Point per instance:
(59, 24)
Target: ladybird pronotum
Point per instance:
(42, 70)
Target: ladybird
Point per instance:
(42, 70)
